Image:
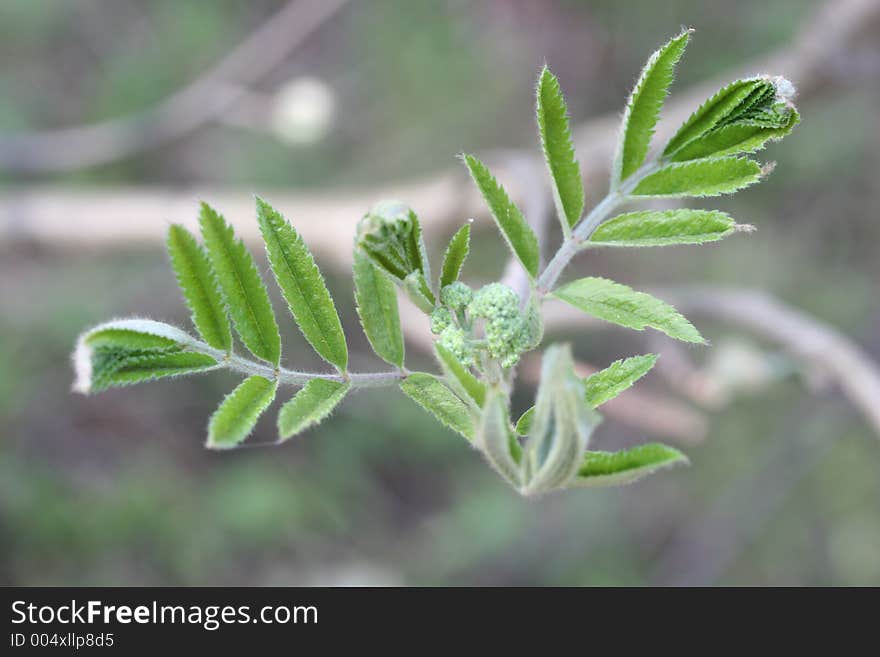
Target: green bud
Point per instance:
(456, 295)
(440, 319)
(390, 234)
(507, 332)
(456, 342)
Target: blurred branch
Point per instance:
(198, 103)
(808, 339)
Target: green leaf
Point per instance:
(309, 406)
(655, 228)
(606, 384)
(120, 368)
(618, 468)
(708, 177)
(434, 396)
(464, 383)
(243, 290)
(134, 334)
(643, 108)
(455, 255)
(513, 226)
(234, 420)
(495, 439)
(561, 428)
(303, 286)
(712, 113)
(196, 281)
(622, 305)
(736, 138)
(568, 185)
(524, 423)
(376, 297)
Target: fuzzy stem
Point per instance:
(582, 232)
(293, 377)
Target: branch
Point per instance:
(200, 102)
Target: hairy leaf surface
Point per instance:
(234, 420)
(465, 383)
(243, 290)
(309, 406)
(709, 177)
(303, 286)
(199, 287)
(664, 228)
(434, 396)
(643, 108)
(568, 185)
(606, 384)
(455, 255)
(622, 305)
(624, 467)
(376, 297)
(516, 231)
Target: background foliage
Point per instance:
(117, 489)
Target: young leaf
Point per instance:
(561, 428)
(715, 110)
(303, 286)
(233, 421)
(606, 384)
(736, 138)
(309, 406)
(113, 368)
(431, 393)
(709, 177)
(496, 441)
(662, 228)
(622, 305)
(376, 297)
(136, 333)
(516, 231)
(617, 468)
(464, 383)
(243, 290)
(568, 186)
(455, 255)
(643, 108)
(196, 281)
(524, 423)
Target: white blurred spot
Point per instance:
(303, 112)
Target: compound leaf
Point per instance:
(624, 467)
(303, 286)
(663, 228)
(434, 396)
(309, 406)
(376, 297)
(622, 305)
(643, 108)
(243, 290)
(234, 420)
(513, 226)
(199, 287)
(568, 185)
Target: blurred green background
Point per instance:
(116, 489)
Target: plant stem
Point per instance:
(582, 232)
(293, 377)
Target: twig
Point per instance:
(196, 104)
